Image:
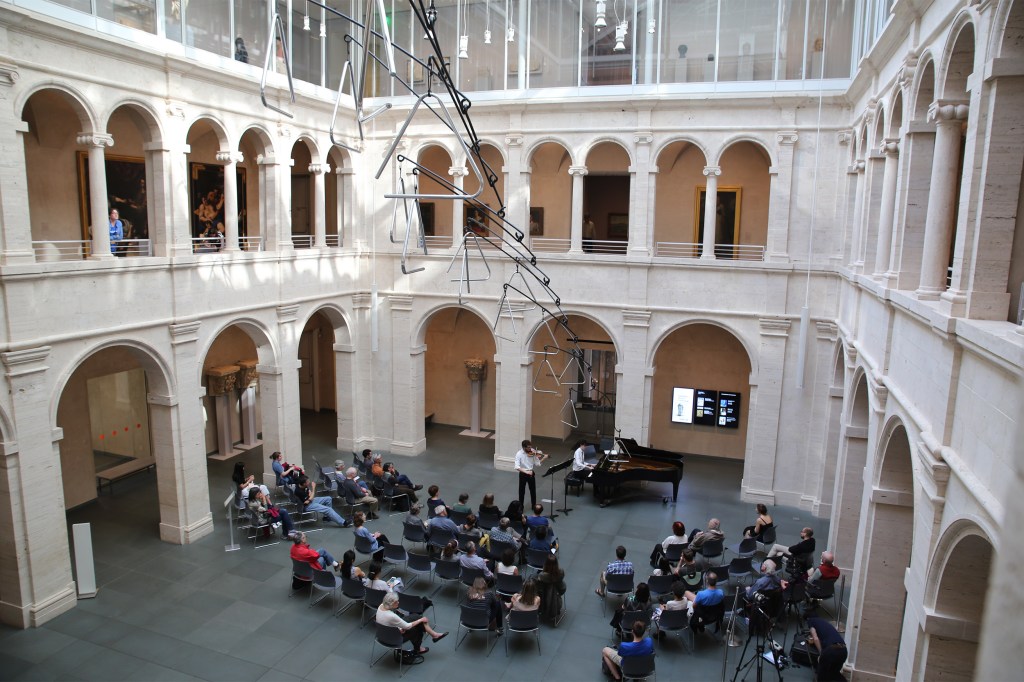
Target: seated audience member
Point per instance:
(551, 586)
(434, 501)
(450, 552)
(244, 483)
(341, 473)
(377, 468)
(373, 577)
(359, 519)
(831, 650)
(400, 478)
(507, 563)
(285, 473)
(761, 524)
(641, 645)
(767, 581)
(411, 631)
(805, 546)
(528, 599)
(504, 533)
(676, 602)
(640, 600)
(356, 494)
(543, 539)
(348, 570)
(317, 558)
(711, 534)
(462, 506)
(479, 597)
(515, 514)
(471, 560)
(267, 513)
(389, 477)
(367, 456)
(826, 571)
(687, 565)
(470, 527)
(441, 521)
(703, 602)
(618, 567)
(305, 491)
(414, 516)
(487, 507)
(537, 518)
(678, 537)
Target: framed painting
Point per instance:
(427, 218)
(476, 220)
(206, 198)
(126, 191)
(618, 226)
(536, 221)
(727, 219)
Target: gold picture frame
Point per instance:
(730, 200)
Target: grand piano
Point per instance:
(635, 462)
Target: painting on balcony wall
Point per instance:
(476, 220)
(126, 191)
(427, 217)
(618, 226)
(206, 200)
(536, 221)
(727, 220)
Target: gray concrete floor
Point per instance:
(166, 612)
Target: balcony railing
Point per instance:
(251, 243)
(549, 244)
(334, 240)
(78, 249)
(206, 245)
(302, 241)
(747, 252)
(438, 242)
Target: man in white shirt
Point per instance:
(411, 632)
(526, 459)
(579, 459)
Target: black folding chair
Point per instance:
(524, 622)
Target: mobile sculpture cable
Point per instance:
(528, 287)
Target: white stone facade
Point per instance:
(904, 429)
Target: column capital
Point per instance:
(318, 168)
(635, 317)
(890, 147)
(458, 171)
(287, 313)
(266, 160)
(827, 331)
(8, 74)
(361, 301)
(98, 140)
(787, 137)
(184, 332)
(345, 170)
(401, 302)
(948, 111)
(175, 110)
(578, 170)
(514, 139)
(712, 171)
(644, 137)
(905, 76)
(28, 361)
(844, 137)
(229, 156)
(774, 326)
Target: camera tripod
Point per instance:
(761, 628)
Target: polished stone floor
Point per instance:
(166, 612)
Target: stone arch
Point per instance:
(551, 187)
(759, 143)
(748, 345)
(301, 191)
(535, 145)
(145, 112)
(136, 131)
(597, 142)
(826, 482)
(663, 145)
(895, 123)
(847, 511)
(326, 357)
(680, 163)
(215, 124)
(338, 195)
(924, 87)
(311, 144)
(72, 96)
(878, 129)
(267, 349)
(493, 156)
(1007, 28)
(255, 144)
(744, 194)
(438, 158)
(862, 141)
(958, 58)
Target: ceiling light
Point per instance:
(601, 8)
(463, 47)
(620, 36)
(487, 37)
(431, 14)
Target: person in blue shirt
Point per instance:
(640, 646)
(285, 476)
(703, 603)
(543, 539)
(116, 232)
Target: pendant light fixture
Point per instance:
(511, 37)
(305, 18)
(460, 11)
(601, 8)
(487, 25)
(621, 27)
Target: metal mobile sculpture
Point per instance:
(528, 287)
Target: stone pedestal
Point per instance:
(220, 385)
(476, 368)
(247, 378)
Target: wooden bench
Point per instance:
(121, 471)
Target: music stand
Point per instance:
(553, 470)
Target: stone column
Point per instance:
(34, 553)
(576, 224)
(318, 171)
(763, 427)
(220, 385)
(247, 380)
(476, 369)
(517, 189)
(707, 251)
(279, 390)
(344, 205)
(15, 224)
(911, 205)
(230, 159)
(513, 376)
(159, 209)
(632, 372)
(780, 198)
(363, 376)
(857, 225)
(891, 149)
(275, 198)
(641, 198)
(406, 381)
(179, 444)
(940, 221)
(98, 216)
(459, 226)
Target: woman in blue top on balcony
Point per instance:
(116, 232)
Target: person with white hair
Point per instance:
(354, 493)
(411, 631)
(767, 581)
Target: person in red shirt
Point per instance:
(826, 571)
(319, 559)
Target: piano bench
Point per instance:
(572, 481)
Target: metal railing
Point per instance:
(133, 247)
(302, 241)
(747, 252)
(251, 243)
(438, 242)
(604, 246)
(79, 249)
(549, 244)
(334, 240)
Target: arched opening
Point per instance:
(677, 188)
(550, 197)
(303, 205)
(890, 539)
(952, 642)
(960, 68)
(744, 189)
(845, 526)
(460, 353)
(875, 177)
(494, 160)
(206, 185)
(572, 398)
(891, 147)
(919, 145)
(437, 214)
(55, 118)
(826, 483)
(232, 404)
(130, 173)
(254, 146)
(337, 188)
(693, 419)
(606, 199)
(318, 387)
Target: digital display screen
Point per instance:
(682, 405)
(729, 410)
(705, 407)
